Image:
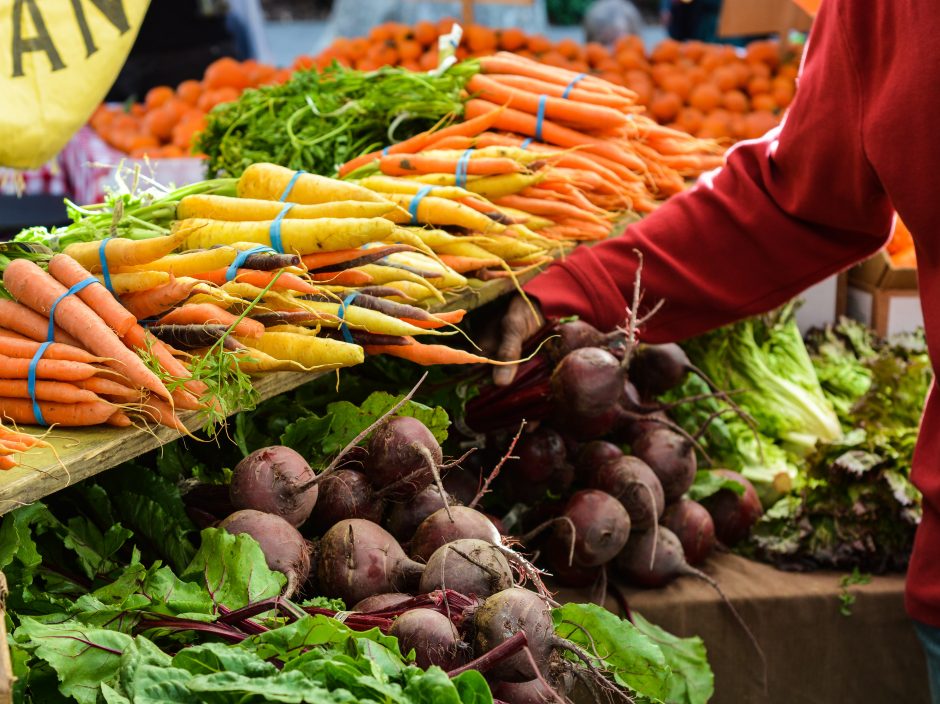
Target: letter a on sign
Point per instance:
(58, 58)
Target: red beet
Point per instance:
(733, 515)
(671, 457)
(587, 384)
(403, 457)
(275, 480)
(658, 368)
(633, 483)
(693, 525)
(382, 602)
(404, 517)
(439, 529)
(285, 549)
(541, 454)
(344, 494)
(503, 615)
(601, 527)
(469, 566)
(593, 455)
(431, 635)
(359, 558)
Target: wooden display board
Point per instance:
(741, 18)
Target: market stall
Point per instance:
(249, 485)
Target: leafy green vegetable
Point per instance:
(317, 121)
(847, 598)
(692, 680)
(708, 483)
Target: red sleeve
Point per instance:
(784, 212)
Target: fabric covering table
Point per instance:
(815, 655)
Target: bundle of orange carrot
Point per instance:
(550, 143)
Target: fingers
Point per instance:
(509, 351)
(518, 325)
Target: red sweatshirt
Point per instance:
(809, 199)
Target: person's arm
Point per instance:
(785, 212)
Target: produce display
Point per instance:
(708, 90)
(118, 596)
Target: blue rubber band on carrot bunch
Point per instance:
(275, 230)
(290, 185)
(574, 82)
(105, 271)
(540, 118)
(463, 164)
(343, 326)
(240, 259)
(50, 338)
(416, 201)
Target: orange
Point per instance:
(726, 78)
(425, 33)
(690, 120)
(641, 84)
(613, 77)
(678, 83)
(225, 73)
(716, 125)
(760, 70)
(568, 48)
(758, 85)
(665, 107)
(171, 151)
(144, 142)
(758, 123)
(157, 96)
(211, 98)
(693, 50)
(764, 101)
(538, 43)
(409, 50)
(766, 52)
(596, 53)
(735, 101)
(629, 58)
(511, 39)
(428, 60)
(189, 91)
(185, 132)
(666, 50)
(445, 24)
(630, 42)
(160, 123)
(706, 97)
(553, 58)
(304, 62)
(480, 39)
(358, 48)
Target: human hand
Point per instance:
(521, 321)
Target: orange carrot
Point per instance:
(56, 369)
(504, 62)
(119, 419)
(20, 410)
(411, 164)
(542, 206)
(468, 128)
(107, 387)
(162, 413)
(427, 355)
(439, 320)
(321, 259)
(7, 462)
(69, 272)
(582, 115)
(146, 304)
(256, 277)
(210, 314)
(37, 289)
(140, 339)
(185, 401)
(557, 90)
(25, 349)
(452, 142)
(9, 334)
(57, 391)
(27, 322)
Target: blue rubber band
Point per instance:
(31, 381)
(526, 142)
(290, 185)
(385, 151)
(102, 257)
(274, 231)
(240, 259)
(343, 327)
(572, 85)
(540, 118)
(72, 291)
(463, 163)
(416, 201)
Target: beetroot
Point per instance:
(469, 566)
(671, 457)
(658, 368)
(636, 486)
(274, 480)
(733, 515)
(653, 559)
(587, 381)
(439, 529)
(382, 602)
(568, 575)
(601, 527)
(693, 525)
(344, 494)
(431, 635)
(284, 548)
(404, 517)
(505, 614)
(403, 457)
(359, 558)
(573, 336)
(535, 691)
(462, 484)
(541, 453)
(593, 455)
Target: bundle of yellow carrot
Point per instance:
(544, 143)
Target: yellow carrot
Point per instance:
(136, 281)
(440, 211)
(443, 277)
(491, 187)
(122, 252)
(305, 351)
(383, 274)
(394, 184)
(269, 182)
(247, 209)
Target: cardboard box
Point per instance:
(747, 17)
(887, 311)
(879, 272)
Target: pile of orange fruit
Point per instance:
(708, 90)
(166, 122)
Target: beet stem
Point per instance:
(675, 428)
(435, 472)
(551, 522)
(613, 692)
(484, 490)
(538, 675)
(512, 645)
(362, 436)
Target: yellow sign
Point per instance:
(58, 58)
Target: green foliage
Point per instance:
(317, 121)
(692, 680)
(847, 598)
